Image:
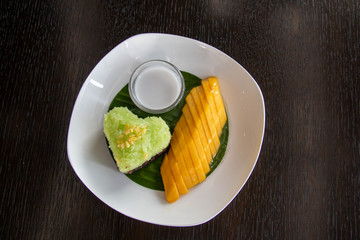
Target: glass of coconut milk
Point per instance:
(156, 86)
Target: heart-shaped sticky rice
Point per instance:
(134, 141)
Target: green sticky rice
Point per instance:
(154, 140)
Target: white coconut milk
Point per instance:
(157, 87)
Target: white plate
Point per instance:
(91, 160)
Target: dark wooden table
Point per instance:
(305, 56)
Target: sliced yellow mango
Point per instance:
(209, 117)
(171, 191)
(211, 101)
(191, 147)
(195, 139)
(177, 155)
(204, 123)
(215, 89)
(180, 184)
(185, 151)
(194, 134)
(198, 125)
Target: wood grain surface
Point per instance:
(305, 56)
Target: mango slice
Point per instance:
(171, 191)
(209, 117)
(195, 140)
(175, 153)
(191, 147)
(179, 181)
(210, 97)
(178, 135)
(204, 123)
(198, 126)
(215, 89)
